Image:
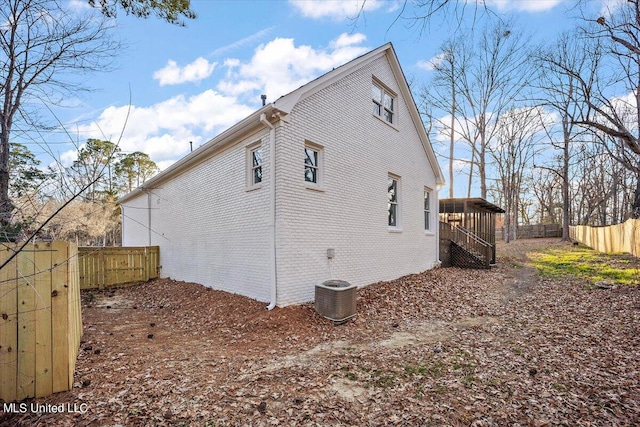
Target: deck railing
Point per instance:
(473, 244)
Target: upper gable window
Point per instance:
(254, 166)
(313, 166)
(384, 102)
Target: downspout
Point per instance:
(272, 209)
(437, 222)
(122, 225)
(149, 215)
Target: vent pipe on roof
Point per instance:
(191, 145)
(264, 99)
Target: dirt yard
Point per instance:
(447, 347)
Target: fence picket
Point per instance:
(8, 327)
(27, 298)
(102, 267)
(60, 316)
(44, 349)
(616, 238)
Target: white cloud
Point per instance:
(524, 5)
(280, 66)
(67, 158)
(78, 5)
(346, 40)
(172, 74)
(336, 9)
(433, 63)
(163, 130)
(609, 6)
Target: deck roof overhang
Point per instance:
(461, 205)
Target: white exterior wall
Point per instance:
(350, 215)
(135, 218)
(210, 229)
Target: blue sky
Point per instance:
(181, 84)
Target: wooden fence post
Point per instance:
(8, 328)
(26, 324)
(60, 316)
(44, 355)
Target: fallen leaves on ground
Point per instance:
(445, 347)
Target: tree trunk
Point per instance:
(565, 182)
(635, 212)
(6, 207)
(453, 122)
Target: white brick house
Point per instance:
(329, 181)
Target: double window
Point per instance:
(383, 102)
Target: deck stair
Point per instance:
(468, 250)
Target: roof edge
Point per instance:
(415, 116)
(200, 153)
(286, 102)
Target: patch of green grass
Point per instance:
(468, 380)
(465, 365)
(559, 387)
(351, 376)
(431, 369)
(381, 379)
(586, 263)
(384, 380)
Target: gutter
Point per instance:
(272, 210)
(228, 136)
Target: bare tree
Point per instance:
(546, 187)
(615, 51)
(475, 82)
(517, 136)
(558, 90)
(600, 185)
(441, 94)
(490, 84)
(420, 14)
(44, 46)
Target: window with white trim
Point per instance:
(383, 102)
(393, 200)
(427, 209)
(254, 166)
(313, 165)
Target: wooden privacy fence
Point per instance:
(533, 231)
(40, 320)
(102, 267)
(617, 238)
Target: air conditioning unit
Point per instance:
(336, 300)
